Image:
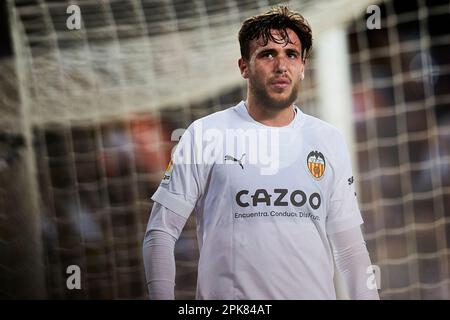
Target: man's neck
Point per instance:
(270, 117)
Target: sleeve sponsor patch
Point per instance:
(167, 173)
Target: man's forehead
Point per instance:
(292, 41)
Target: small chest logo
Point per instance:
(239, 161)
(316, 164)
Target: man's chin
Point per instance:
(276, 100)
(281, 102)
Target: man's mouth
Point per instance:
(280, 83)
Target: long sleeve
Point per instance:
(352, 260)
(163, 229)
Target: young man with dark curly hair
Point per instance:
(271, 187)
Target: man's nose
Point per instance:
(280, 64)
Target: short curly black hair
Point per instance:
(278, 18)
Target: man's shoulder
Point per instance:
(320, 127)
(218, 119)
(326, 137)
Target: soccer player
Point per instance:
(271, 187)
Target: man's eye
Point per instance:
(292, 55)
(268, 55)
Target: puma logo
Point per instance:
(227, 157)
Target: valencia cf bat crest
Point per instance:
(316, 164)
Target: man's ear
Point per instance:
(243, 68)
(302, 69)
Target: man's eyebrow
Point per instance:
(273, 51)
(292, 50)
(263, 51)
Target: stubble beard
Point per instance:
(263, 98)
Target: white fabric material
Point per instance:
(349, 249)
(163, 230)
(175, 203)
(353, 262)
(262, 216)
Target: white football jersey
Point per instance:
(265, 199)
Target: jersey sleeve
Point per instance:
(182, 183)
(343, 212)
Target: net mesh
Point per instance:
(402, 119)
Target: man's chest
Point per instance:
(298, 179)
